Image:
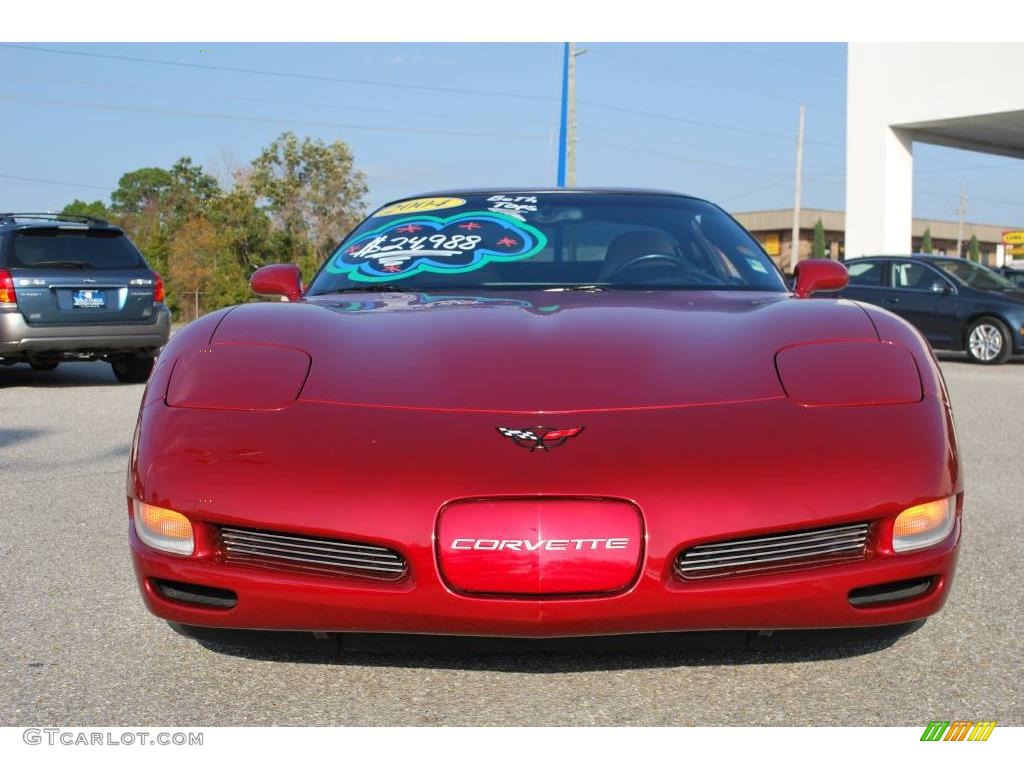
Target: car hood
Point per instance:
(535, 352)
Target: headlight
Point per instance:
(238, 377)
(848, 373)
(923, 525)
(164, 529)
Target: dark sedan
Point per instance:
(1014, 274)
(956, 303)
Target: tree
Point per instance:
(974, 249)
(926, 241)
(180, 191)
(818, 246)
(97, 209)
(194, 256)
(294, 203)
(192, 189)
(313, 192)
(140, 189)
(246, 227)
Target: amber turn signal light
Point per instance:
(924, 525)
(164, 529)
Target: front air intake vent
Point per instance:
(210, 597)
(285, 551)
(774, 552)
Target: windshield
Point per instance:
(549, 240)
(974, 275)
(51, 247)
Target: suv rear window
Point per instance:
(57, 248)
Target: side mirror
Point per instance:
(941, 288)
(277, 280)
(813, 275)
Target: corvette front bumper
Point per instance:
(382, 477)
(658, 602)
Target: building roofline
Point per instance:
(832, 211)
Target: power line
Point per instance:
(682, 143)
(717, 126)
(754, 191)
(926, 193)
(716, 83)
(686, 160)
(958, 168)
(691, 145)
(798, 65)
(57, 183)
(279, 102)
(384, 110)
(992, 200)
(273, 120)
(354, 81)
(272, 73)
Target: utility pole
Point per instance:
(794, 246)
(564, 120)
(567, 128)
(571, 151)
(961, 211)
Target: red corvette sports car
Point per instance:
(545, 413)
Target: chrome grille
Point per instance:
(286, 551)
(762, 553)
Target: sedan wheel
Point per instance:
(987, 341)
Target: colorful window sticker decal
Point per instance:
(415, 244)
(419, 205)
(513, 205)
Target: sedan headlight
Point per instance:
(924, 525)
(164, 529)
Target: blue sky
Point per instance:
(711, 119)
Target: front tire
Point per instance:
(988, 341)
(132, 370)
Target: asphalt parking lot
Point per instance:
(78, 648)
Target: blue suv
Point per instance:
(75, 288)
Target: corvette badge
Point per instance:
(539, 438)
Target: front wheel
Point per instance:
(132, 370)
(988, 341)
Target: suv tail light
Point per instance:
(158, 288)
(7, 295)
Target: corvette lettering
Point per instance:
(526, 545)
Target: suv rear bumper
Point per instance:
(18, 339)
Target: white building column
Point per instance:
(879, 169)
(964, 95)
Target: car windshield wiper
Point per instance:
(584, 288)
(378, 288)
(76, 264)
